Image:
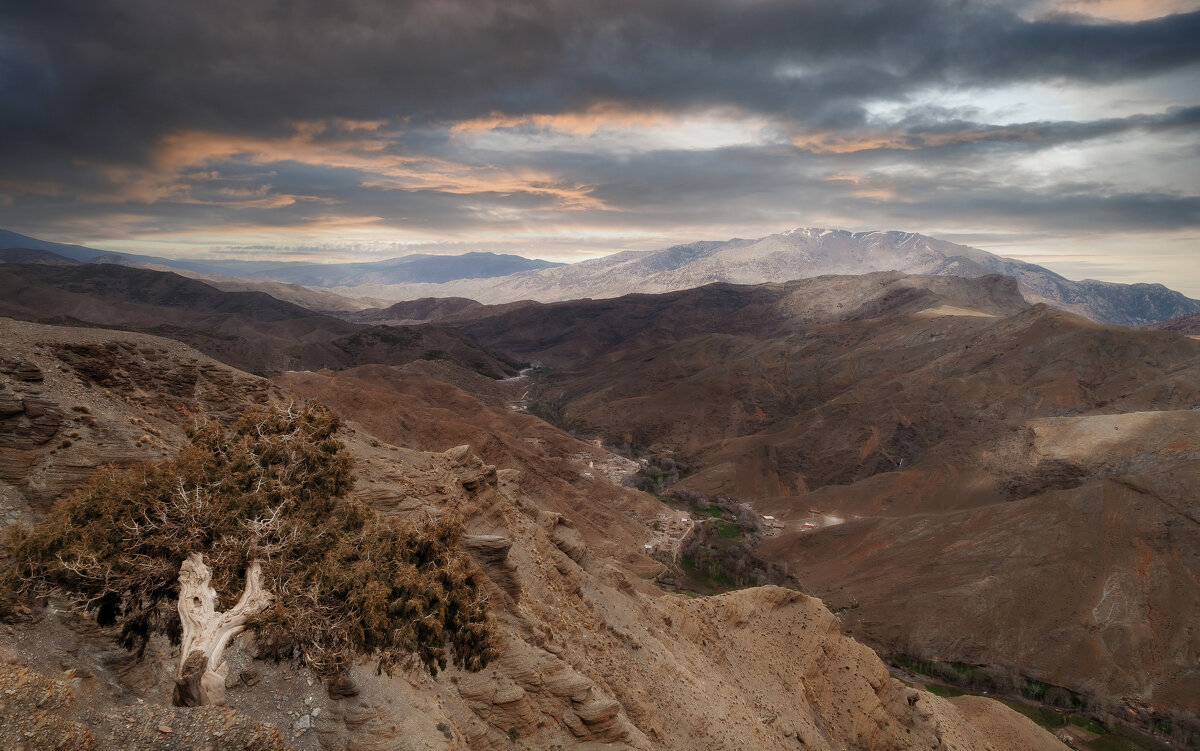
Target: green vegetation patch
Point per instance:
(983, 679)
(730, 531)
(706, 577)
(943, 691)
(1047, 717)
(1053, 707)
(1087, 723)
(1128, 739)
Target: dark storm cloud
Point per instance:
(1090, 210)
(946, 137)
(104, 79)
(488, 121)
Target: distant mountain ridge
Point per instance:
(803, 253)
(83, 254)
(796, 254)
(414, 268)
(30, 255)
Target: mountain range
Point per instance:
(413, 268)
(345, 288)
(798, 254)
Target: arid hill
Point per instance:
(593, 655)
(566, 334)
(1017, 485)
(415, 311)
(249, 330)
(28, 255)
(314, 299)
(1189, 324)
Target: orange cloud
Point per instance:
(587, 122)
(1121, 10)
(47, 188)
(861, 186)
(182, 165)
(840, 142)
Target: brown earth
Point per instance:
(37, 712)
(415, 311)
(1189, 324)
(28, 255)
(415, 411)
(249, 330)
(73, 399)
(593, 655)
(935, 420)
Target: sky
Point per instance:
(1064, 132)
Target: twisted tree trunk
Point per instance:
(200, 679)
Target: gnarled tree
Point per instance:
(259, 510)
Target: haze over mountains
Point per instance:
(416, 268)
(796, 254)
(805, 253)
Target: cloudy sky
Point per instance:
(1060, 131)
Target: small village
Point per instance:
(671, 530)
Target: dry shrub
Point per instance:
(347, 580)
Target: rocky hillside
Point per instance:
(593, 654)
(74, 399)
(249, 330)
(1189, 325)
(415, 311)
(313, 299)
(27, 255)
(972, 479)
(571, 333)
(804, 253)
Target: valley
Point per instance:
(1015, 484)
(593, 653)
(680, 502)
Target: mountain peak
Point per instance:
(804, 252)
